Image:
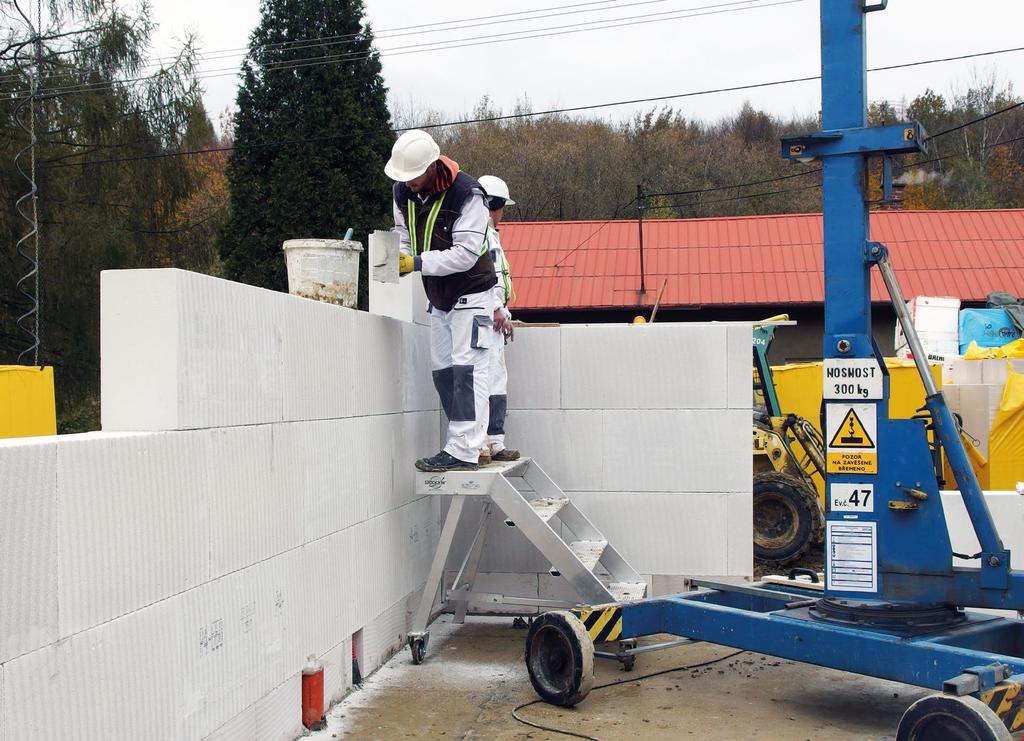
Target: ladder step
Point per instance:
(627, 591)
(588, 551)
(548, 507)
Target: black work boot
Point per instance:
(442, 462)
(505, 455)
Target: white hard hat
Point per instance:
(495, 187)
(412, 154)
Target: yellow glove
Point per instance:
(406, 263)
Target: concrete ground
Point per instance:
(474, 676)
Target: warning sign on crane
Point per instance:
(852, 430)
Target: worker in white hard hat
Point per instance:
(497, 198)
(441, 217)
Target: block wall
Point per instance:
(250, 502)
(248, 505)
(647, 428)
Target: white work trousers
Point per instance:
(460, 342)
(498, 401)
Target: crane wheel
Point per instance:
(787, 520)
(560, 658)
(950, 718)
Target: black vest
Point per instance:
(444, 290)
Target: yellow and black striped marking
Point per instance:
(1006, 700)
(603, 623)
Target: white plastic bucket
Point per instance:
(324, 269)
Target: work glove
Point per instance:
(406, 263)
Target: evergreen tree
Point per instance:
(312, 134)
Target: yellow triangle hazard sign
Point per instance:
(852, 434)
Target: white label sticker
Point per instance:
(852, 557)
(852, 433)
(852, 378)
(852, 498)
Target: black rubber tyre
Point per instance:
(949, 718)
(560, 658)
(786, 518)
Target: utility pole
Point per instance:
(640, 225)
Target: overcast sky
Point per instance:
(760, 40)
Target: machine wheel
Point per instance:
(786, 518)
(560, 658)
(949, 718)
(418, 648)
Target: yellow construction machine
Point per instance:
(789, 467)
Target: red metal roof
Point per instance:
(769, 260)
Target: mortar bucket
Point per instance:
(324, 269)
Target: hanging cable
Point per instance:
(352, 57)
(504, 117)
(606, 685)
(974, 121)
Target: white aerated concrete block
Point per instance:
(534, 362)
(568, 444)
(739, 525)
(242, 639)
(391, 557)
(226, 366)
(279, 714)
(385, 635)
(405, 300)
(977, 404)
(377, 439)
(251, 515)
(676, 451)
(121, 680)
(664, 533)
(133, 522)
(993, 371)
(240, 728)
(377, 348)
(28, 545)
(417, 437)
(1007, 509)
(662, 584)
(230, 352)
(139, 349)
(416, 379)
(337, 663)
(326, 578)
(738, 354)
(319, 360)
(318, 461)
(657, 366)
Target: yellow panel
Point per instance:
(799, 387)
(26, 401)
(1006, 440)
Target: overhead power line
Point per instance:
(442, 26)
(977, 120)
(730, 187)
(448, 44)
(529, 114)
(743, 197)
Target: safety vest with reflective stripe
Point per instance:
(502, 269)
(428, 233)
